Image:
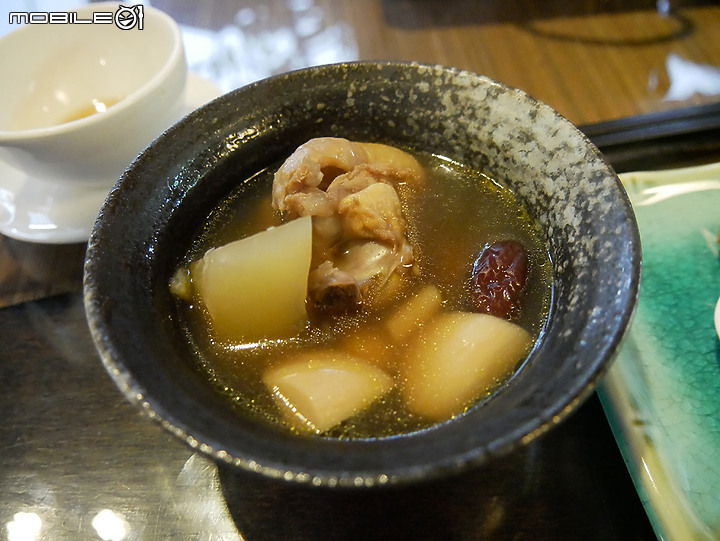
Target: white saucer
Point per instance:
(34, 210)
(717, 318)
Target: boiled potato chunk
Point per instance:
(318, 390)
(255, 288)
(460, 356)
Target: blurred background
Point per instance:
(592, 60)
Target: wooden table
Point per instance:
(77, 462)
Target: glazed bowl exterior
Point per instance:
(161, 201)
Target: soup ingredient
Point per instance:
(458, 358)
(255, 288)
(370, 362)
(498, 278)
(383, 341)
(359, 230)
(338, 286)
(371, 343)
(412, 315)
(301, 183)
(318, 390)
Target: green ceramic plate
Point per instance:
(662, 394)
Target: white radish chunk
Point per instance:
(319, 390)
(255, 288)
(372, 345)
(459, 357)
(414, 313)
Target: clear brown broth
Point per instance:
(452, 219)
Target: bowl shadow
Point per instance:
(563, 486)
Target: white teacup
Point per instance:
(79, 101)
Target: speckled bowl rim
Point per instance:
(390, 461)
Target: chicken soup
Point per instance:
(359, 290)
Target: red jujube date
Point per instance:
(498, 277)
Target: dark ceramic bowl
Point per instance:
(150, 217)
